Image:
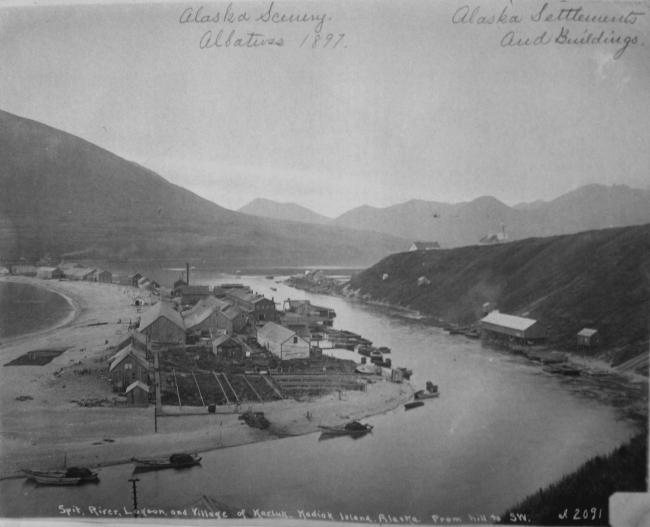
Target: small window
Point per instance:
(295, 340)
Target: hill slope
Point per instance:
(267, 208)
(597, 279)
(66, 197)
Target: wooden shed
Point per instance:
(282, 342)
(202, 319)
(102, 275)
(588, 338)
(133, 279)
(499, 326)
(227, 347)
(163, 324)
(128, 366)
(137, 394)
(133, 338)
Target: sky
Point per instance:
(417, 100)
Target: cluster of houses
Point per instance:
(68, 271)
(142, 282)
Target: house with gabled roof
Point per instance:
(127, 366)
(163, 324)
(282, 342)
(425, 246)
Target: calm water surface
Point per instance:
(500, 430)
(25, 308)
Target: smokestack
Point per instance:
(187, 265)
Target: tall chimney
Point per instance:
(187, 265)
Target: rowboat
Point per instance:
(71, 476)
(414, 404)
(173, 461)
(421, 394)
(351, 428)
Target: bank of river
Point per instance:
(501, 429)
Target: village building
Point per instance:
(4, 271)
(179, 283)
(191, 294)
(282, 342)
(137, 394)
(24, 270)
(143, 282)
(227, 347)
(101, 275)
(128, 366)
(315, 276)
(135, 339)
(202, 319)
(258, 307)
(49, 273)
(499, 326)
(79, 273)
(161, 323)
(133, 279)
(423, 281)
(231, 320)
(125, 350)
(588, 338)
(495, 238)
(424, 246)
(307, 313)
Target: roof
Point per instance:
(100, 271)
(136, 335)
(47, 269)
(143, 280)
(125, 351)
(275, 332)
(199, 315)
(509, 321)
(224, 338)
(426, 245)
(132, 276)
(586, 332)
(137, 384)
(161, 309)
(193, 290)
(130, 353)
(79, 271)
(232, 312)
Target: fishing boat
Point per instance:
(70, 476)
(270, 277)
(351, 428)
(273, 289)
(406, 373)
(173, 461)
(414, 404)
(368, 369)
(562, 369)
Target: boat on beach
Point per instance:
(70, 476)
(422, 394)
(351, 428)
(562, 369)
(413, 404)
(173, 461)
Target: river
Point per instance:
(500, 430)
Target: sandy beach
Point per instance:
(41, 420)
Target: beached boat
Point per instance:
(562, 369)
(422, 394)
(351, 428)
(414, 404)
(173, 461)
(270, 277)
(406, 373)
(273, 289)
(368, 369)
(70, 476)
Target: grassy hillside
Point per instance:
(597, 279)
(582, 498)
(66, 197)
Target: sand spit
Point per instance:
(41, 418)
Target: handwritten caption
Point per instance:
(558, 25)
(270, 27)
(300, 514)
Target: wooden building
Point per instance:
(101, 275)
(24, 270)
(588, 338)
(499, 326)
(49, 273)
(202, 319)
(282, 342)
(231, 319)
(191, 294)
(133, 279)
(227, 347)
(79, 273)
(161, 323)
(425, 246)
(137, 394)
(258, 307)
(135, 339)
(179, 283)
(126, 367)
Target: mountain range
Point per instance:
(452, 225)
(67, 198)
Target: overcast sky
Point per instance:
(407, 105)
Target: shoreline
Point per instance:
(45, 284)
(41, 418)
